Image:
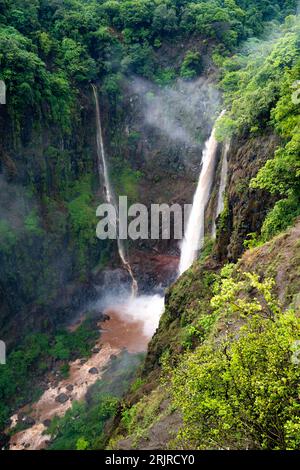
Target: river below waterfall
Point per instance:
(129, 327)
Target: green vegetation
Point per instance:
(241, 390)
(125, 179)
(82, 420)
(224, 342)
(191, 66)
(137, 420)
(37, 354)
(50, 51)
(260, 92)
(83, 426)
(58, 47)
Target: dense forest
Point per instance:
(218, 372)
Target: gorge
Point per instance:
(149, 342)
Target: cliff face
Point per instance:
(189, 299)
(44, 171)
(155, 420)
(50, 256)
(245, 208)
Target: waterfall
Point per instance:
(222, 187)
(109, 195)
(194, 235)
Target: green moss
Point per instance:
(125, 179)
(137, 420)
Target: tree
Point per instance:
(191, 65)
(164, 19)
(242, 390)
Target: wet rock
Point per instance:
(93, 371)
(28, 421)
(70, 387)
(4, 441)
(21, 416)
(62, 398)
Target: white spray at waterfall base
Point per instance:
(144, 310)
(147, 309)
(194, 237)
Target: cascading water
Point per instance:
(102, 166)
(222, 187)
(194, 235)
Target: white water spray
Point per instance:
(222, 187)
(102, 165)
(194, 237)
(146, 308)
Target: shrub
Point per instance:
(191, 65)
(243, 390)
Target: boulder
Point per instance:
(62, 398)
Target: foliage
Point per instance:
(125, 179)
(261, 91)
(138, 383)
(37, 354)
(50, 51)
(49, 47)
(82, 427)
(280, 175)
(252, 80)
(242, 391)
(80, 421)
(191, 65)
(137, 420)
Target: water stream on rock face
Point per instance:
(103, 170)
(131, 320)
(194, 236)
(222, 187)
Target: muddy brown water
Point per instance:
(118, 333)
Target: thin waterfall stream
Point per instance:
(103, 169)
(222, 186)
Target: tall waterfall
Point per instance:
(222, 187)
(102, 167)
(194, 235)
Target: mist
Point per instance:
(184, 112)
